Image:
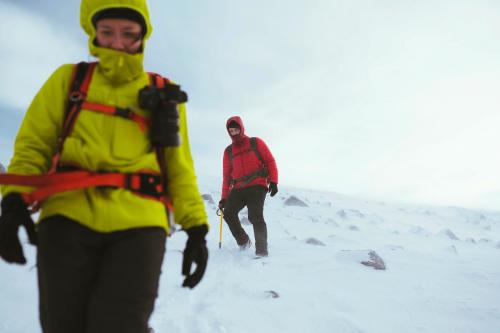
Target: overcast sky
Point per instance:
(393, 100)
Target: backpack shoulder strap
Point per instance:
(79, 86)
(229, 150)
(253, 145)
(80, 82)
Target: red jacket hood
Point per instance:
(237, 120)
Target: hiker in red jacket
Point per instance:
(249, 172)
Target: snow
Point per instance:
(442, 272)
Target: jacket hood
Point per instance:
(89, 8)
(237, 120)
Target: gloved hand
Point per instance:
(195, 252)
(273, 189)
(14, 214)
(222, 204)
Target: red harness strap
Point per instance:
(146, 184)
(127, 113)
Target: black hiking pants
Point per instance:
(253, 197)
(92, 282)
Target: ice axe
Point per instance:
(220, 213)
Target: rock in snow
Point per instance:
(375, 261)
(342, 214)
(314, 241)
(208, 198)
(366, 257)
(450, 234)
(294, 201)
(272, 294)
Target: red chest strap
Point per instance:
(126, 113)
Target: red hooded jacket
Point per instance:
(246, 162)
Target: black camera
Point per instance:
(162, 103)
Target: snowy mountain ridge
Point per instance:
(441, 272)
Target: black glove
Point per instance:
(273, 189)
(222, 204)
(15, 213)
(195, 252)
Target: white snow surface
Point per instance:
(442, 276)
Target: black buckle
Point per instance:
(150, 185)
(123, 112)
(76, 97)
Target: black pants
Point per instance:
(91, 282)
(253, 197)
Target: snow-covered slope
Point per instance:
(442, 272)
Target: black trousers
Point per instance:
(253, 197)
(91, 282)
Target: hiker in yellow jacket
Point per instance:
(100, 248)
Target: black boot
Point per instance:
(260, 232)
(261, 253)
(246, 244)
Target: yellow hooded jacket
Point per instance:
(100, 142)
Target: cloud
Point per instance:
(32, 48)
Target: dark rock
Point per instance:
(341, 213)
(272, 294)
(450, 234)
(314, 241)
(208, 198)
(375, 261)
(294, 201)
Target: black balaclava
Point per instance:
(120, 13)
